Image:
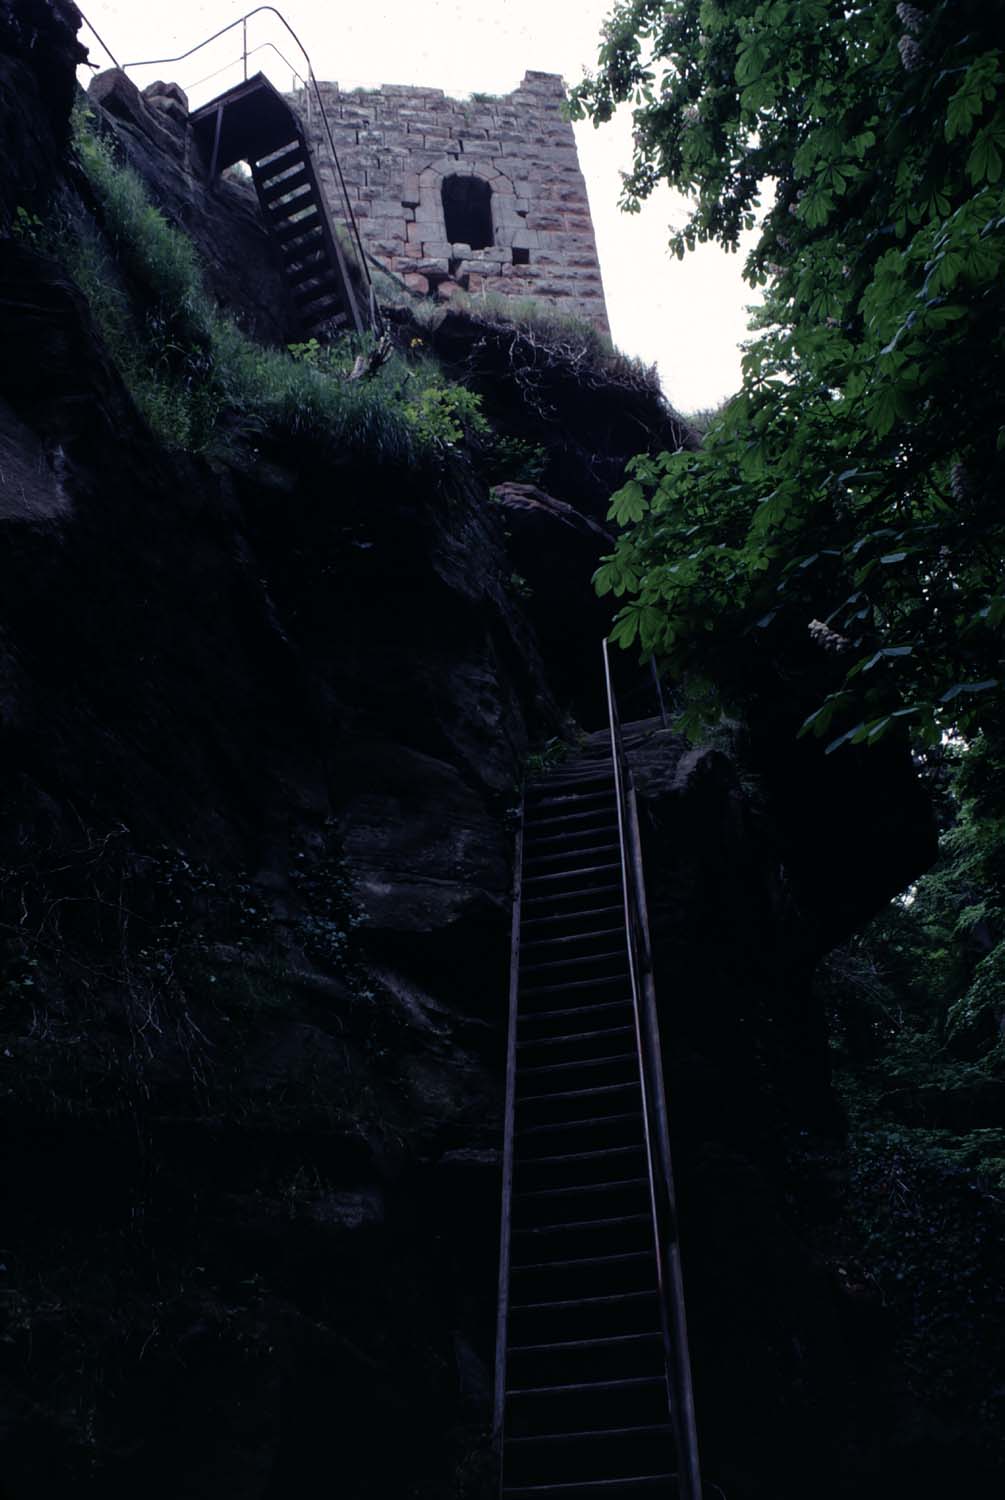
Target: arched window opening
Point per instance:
(467, 211)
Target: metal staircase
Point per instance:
(254, 123)
(593, 1390)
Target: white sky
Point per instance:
(688, 317)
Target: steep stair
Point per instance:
(583, 1404)
(254, 123)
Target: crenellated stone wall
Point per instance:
(397, 146)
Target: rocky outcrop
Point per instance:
(555, 550)
(38, 53)
(745, 896)
(591, 410)
(586, 411)
(221, 216)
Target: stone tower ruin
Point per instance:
(483, 193)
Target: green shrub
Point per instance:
(447, 413)
(515, 460)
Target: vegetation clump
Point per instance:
(854, 479)
(917, 1018)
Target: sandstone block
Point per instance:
(480, 268)
(417, 282)
(504, 210)
(387, 208)
(163, 91)
(389, 229)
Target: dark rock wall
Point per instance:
(38, 53)
(221, 698)
(260, 724)
(792, 1384)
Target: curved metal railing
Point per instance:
(509, 1128)
(655, 1120)
(243, 57)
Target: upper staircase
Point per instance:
(254, 123)
(593, 1397)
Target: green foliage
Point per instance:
(702, 419)
(309, 353)
(447, 413)
(917, 1006)
(27, 227)
(516, 460)
(554, 753)
(855, 478)
(929, 1221)
(921, 993)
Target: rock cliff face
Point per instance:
(262, 724)
(218, 741)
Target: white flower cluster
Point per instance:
(959, 483)
(827, 638)
(911, 17)
(911, 54)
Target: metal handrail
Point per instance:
(101, 42)
(509, 1124)
(242, 21)
(655, 1121)
(243, 56)
(157, 62)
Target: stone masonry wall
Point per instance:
(397, 145)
